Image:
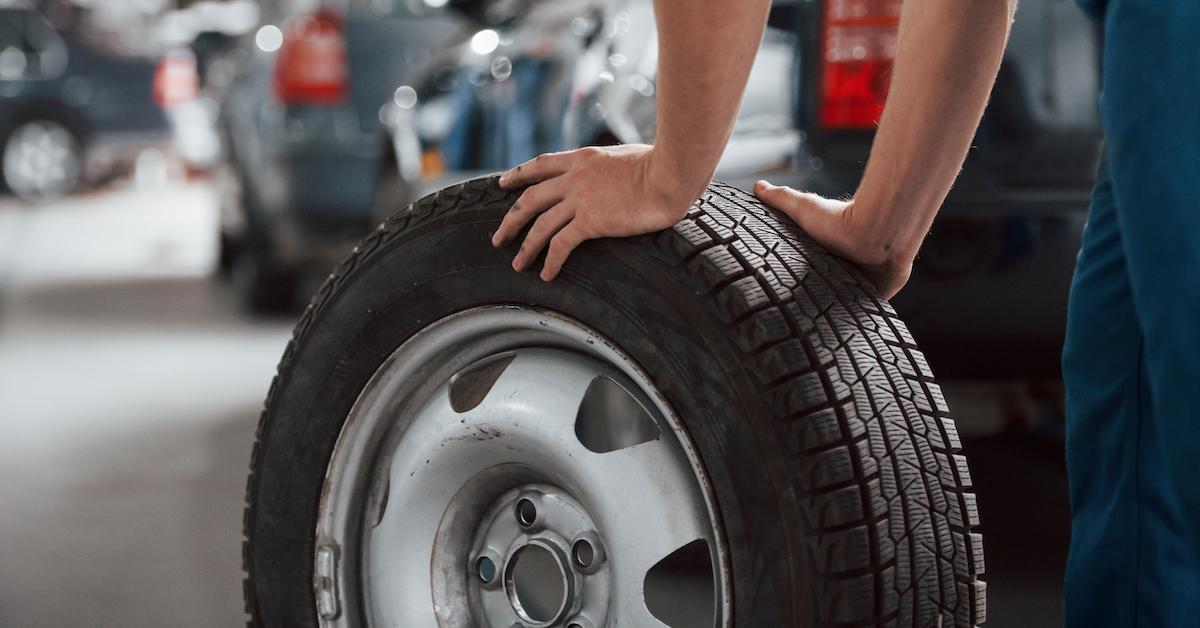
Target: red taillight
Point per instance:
(175, 80)
(859, 47)
(310, 68)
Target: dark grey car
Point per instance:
(305, 136)
(70, 109)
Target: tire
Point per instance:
(825, 450)
(227, 254)
(42, 160)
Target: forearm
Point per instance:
(706, 48)
(949, 52)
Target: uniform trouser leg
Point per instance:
(1132, 360)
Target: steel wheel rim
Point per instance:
(459, 470)
(41, 160)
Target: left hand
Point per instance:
(592, 192)
(844, 227)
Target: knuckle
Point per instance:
(562, 243)
(537, 233)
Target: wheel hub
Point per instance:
(554, 568)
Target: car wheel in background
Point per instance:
(227, 254)
(42, 160)
(261, 286)
(720, 424)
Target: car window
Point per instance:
(29, 47)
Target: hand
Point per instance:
(592, 192)
(839, 229)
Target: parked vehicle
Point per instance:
(303, 134)
(993, 275)
(71, 111)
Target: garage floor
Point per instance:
(130, 384)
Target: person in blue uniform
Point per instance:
(1132, 358)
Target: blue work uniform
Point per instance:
(1132, 358)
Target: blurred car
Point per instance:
(988, 295)
(303, 134)
(70, 110)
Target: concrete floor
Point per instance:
(130, 385)
(129, 389)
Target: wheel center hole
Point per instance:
(536, 582)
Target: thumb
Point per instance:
(785, 199)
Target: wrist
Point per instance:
(672, 182)
(878, 234)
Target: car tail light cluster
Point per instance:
(175, 80)
(859, 45)
(310, 68)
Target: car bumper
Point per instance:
(110, 151)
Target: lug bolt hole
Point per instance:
(526, 513)
(583, 554)
(485, 569)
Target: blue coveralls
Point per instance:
(1132, 358)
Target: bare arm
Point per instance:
(706, 48)
(949, 52)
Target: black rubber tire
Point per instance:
(835, 464)
(228, 249)
(79, 153)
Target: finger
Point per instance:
(561, 245)
(540, 168)
(544, 228)
(781, 197)
(797, 205)
(532, 202)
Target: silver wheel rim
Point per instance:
(41, 160)
(476, 417)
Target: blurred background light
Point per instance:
(405, 97)
(485, 42)
(268, 38)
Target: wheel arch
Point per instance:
(51, 110)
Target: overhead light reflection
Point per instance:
(268, 38)
(485, 42)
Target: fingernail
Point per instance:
(761, 185)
